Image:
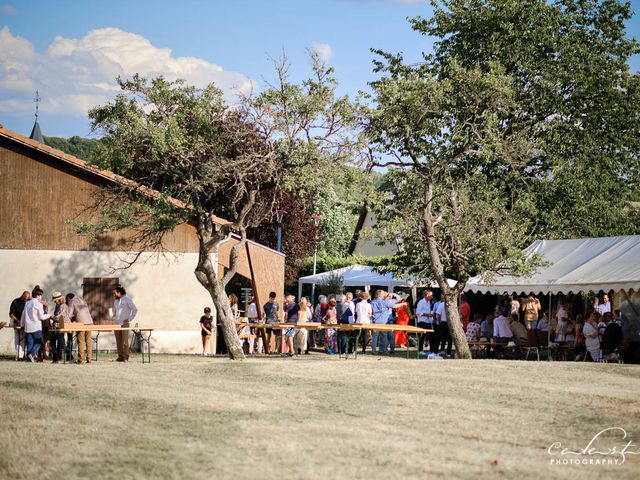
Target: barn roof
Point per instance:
(71, 161)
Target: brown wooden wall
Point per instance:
(39, 193)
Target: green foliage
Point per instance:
(338, 222)
(568, 61)
(522, 123)
(333, 285)
(77, 146)
(327, 262)
(457, 168)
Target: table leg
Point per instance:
(146, 341)
(356, 345)
(97, 345)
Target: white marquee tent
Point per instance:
(363, 275)
(585, 264)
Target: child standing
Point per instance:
(206, 325)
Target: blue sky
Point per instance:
(72, 50)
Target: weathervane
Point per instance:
(37, 100)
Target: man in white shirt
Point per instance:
(501, 331)
(363, 315)
(125, 312)
(31, 322)
(606, 304)
(425, 320)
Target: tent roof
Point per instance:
(584, 264)
(359, 275)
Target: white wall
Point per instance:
(167, 294)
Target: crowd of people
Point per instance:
(595, 336)
(347, 308)
(513, 322)
(36, 328)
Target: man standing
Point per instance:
(606, 304)
(15, 314)
(270, 310)
(125, 311)
(381, 309)
(531, 307)
(31, 321)
(60, 315)
(345, 311)
(425, 320)
(79, 312)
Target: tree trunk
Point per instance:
(225, 317)
(455, 325)
(450, 295)
(207, 274)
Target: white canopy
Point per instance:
(584, 264)
(364, 275)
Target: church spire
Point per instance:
(36, 133)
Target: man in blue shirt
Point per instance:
(381, 309)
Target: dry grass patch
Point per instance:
(313, 417)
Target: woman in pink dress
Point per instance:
(402, 318)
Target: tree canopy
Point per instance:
(522, 122)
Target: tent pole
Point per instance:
(549, 330)
(299, 290)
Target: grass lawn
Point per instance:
(313, 417)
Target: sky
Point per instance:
(71, 51)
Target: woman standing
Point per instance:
(304, 316)
(331, 318)
(233, 303)
(402, 318)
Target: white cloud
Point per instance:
(74, 75)
(324, 50)
(7, 10)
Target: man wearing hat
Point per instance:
(60, 314)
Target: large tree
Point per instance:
(189, 158)
(522, 122)
(569, 63)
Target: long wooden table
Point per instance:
(139, 333)
(342, 327)
(379, 327)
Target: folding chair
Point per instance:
(543, 341)
(532, 343)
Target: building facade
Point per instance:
(41, 189)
